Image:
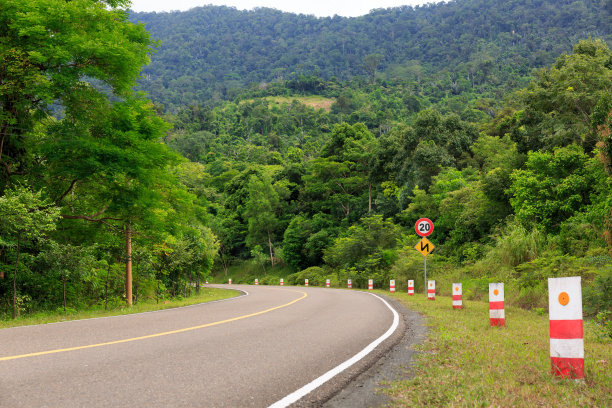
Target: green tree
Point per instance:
(261, 214)
(24, 216)
(556, 185)
(52, 50)
(560, 102)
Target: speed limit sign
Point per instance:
(423, 227)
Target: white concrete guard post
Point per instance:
(327, 283)
(411, 287)
(497, 315)
(370, 284)
(257, 281)
(230, 281)
(350, 284)
(431, 290)
(392, 286)
(305, 282)
(566, 335)
(457, 296)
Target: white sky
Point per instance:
(320, 8)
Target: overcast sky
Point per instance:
(320, 8)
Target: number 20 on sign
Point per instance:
(424, 227)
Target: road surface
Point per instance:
(250, 351)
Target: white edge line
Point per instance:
(245, 293)
(296, 395)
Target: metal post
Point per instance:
(425, 268)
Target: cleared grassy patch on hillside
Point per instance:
(206, 295)
(312, 101)
(467, 363)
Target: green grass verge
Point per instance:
(206, 295)
(467, 363)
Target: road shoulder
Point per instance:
(358, 386)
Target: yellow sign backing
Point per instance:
(424, 246)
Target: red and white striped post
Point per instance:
(457, 296)
(370, 284)
(566, 336)
(350, 284)
(497, 315)
(207, 282)
(282, 282)
(257, 281)
(411, 287)
(305, 282)
(431, 290)
(327, 283)
(392, 286)
(230, 281)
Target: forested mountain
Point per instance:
(486, 45)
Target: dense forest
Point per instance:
(479, 46)
(315, 167)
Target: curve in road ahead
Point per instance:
(250, 351)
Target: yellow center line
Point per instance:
(150, 336)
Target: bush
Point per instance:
(314, 274)
(598, 296)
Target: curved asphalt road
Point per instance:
(248, 351)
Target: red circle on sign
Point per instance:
(423, 227)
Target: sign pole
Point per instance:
(425, 269)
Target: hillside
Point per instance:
(482, 46)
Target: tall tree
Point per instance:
(52, 50)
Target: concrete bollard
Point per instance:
(282, 282)
(327, 283)
(305, 282)
(370, 284)
(497, 315)
(457, 296)
(392, 286)
(411, 287)
(350, 284)
(566, 335)
(257, 281)
(431, 290)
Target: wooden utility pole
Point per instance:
(128, 265)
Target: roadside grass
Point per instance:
(467, 363)
(206, 295)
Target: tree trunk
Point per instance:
(190, 277)
(157, 293)
(64, 285)
(106, 288)
(128, 265)
(270, 246)
(15, 275)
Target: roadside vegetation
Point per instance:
(117, 309)
(467, 363)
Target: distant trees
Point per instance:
(486, 46)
